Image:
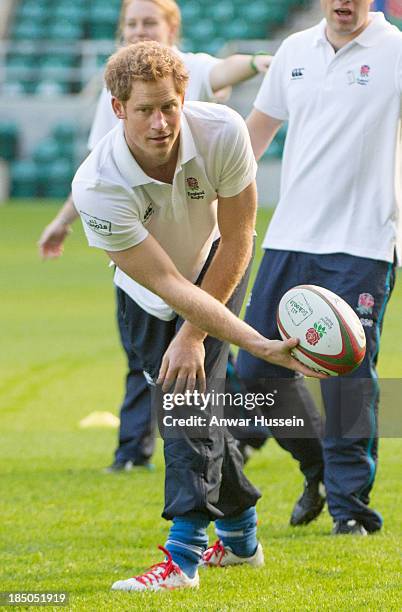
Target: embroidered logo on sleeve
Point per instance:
(298, 73)
(148, 213)
(99, 226)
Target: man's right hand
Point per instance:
(279, 352)
(53, 236)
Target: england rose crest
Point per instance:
(364, 77)
(312, 336)
(192, 183)
(365, 71)
(365, 303)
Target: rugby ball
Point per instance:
(332, 339)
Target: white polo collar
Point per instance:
(132, 171)
(125, 161)
(187, 150)
(368, 38)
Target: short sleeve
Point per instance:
(107, 214)
(239, 167)
(104, 120)
(271, 98)
(199, 66)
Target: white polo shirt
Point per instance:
(199, 66)
(120, 205)
(338, 188)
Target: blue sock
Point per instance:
(239, 533)
(187, 541)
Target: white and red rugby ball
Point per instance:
(332, 339)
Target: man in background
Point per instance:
(337, 223)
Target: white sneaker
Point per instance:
(161, 576)
(219, 555)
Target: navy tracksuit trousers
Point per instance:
(137, 425)
(204, 472)
(136, 441)
(351, 402)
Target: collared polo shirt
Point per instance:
(340, 186)
(120, 205)
(199, 66)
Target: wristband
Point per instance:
(252, 62)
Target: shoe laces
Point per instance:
(159, 571)
(217, 550)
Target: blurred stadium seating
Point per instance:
(53, 49)
(55, 46)
(48, 173)
(44, 54)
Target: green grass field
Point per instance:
(66, 526)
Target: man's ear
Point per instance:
(118, 108)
